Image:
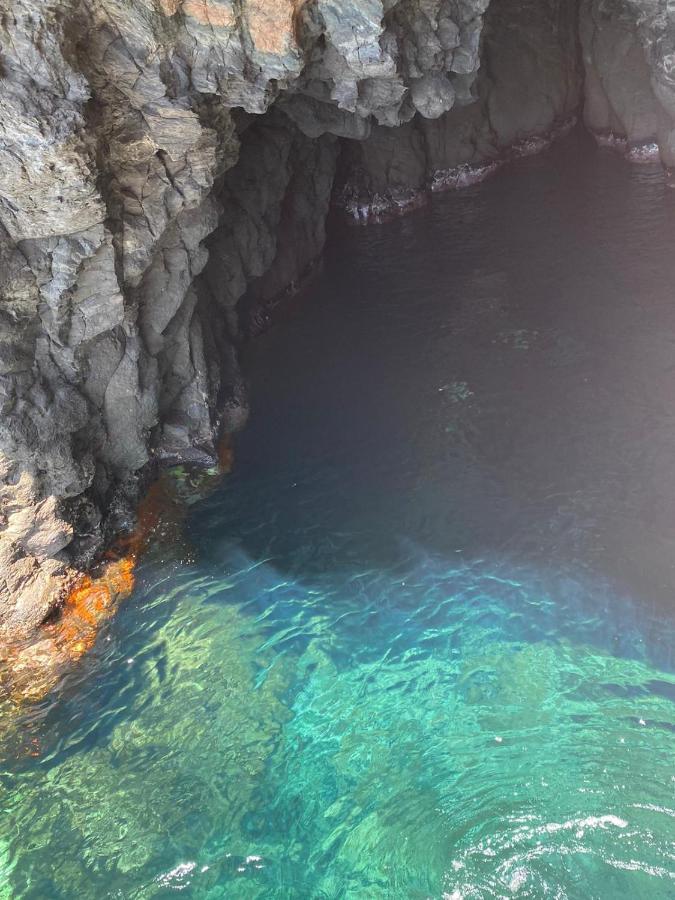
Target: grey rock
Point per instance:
(528, 87)
(629, 61)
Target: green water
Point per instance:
(420, 643)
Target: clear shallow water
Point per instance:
(420, 643)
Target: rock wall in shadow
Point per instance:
(629, 63)
(528, 88)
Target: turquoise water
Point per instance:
(420, 643)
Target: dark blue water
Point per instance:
(420, 643)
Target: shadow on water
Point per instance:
(492, 376)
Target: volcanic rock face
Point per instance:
(528, 86)
(166, 168)
(629, 60)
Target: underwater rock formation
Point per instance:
(167, 170)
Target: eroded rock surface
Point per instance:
(629, 61)
(166, 169)
(527, 89)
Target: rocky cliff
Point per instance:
(166, 169)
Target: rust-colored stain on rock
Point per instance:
(210, 12)
(270, 24)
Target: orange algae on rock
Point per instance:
(90, 603)
(225, 456)
(120, 576)
(31, 670)
(36, 668)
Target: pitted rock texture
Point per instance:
(166, 169)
